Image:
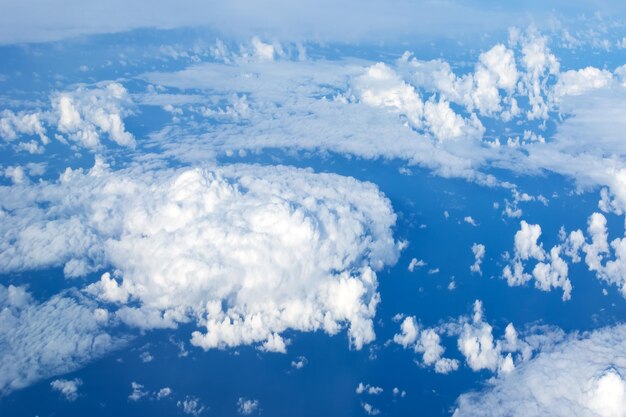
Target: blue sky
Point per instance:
(405, 208)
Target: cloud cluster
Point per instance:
(475, 342)
(248, 252)
(84, 116)
(582, 375)
(67, 387)
(40, 340)
(550, 271)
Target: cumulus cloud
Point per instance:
(370, 410)
(299, 363)
(246, 407)
(381, 86)
(478, 249)
(191, 406)
(164, 393)
(368, 389)
(67, 387)
(553, 273)
(86, 113)
(137, 392)
(246, 251)
(14, 125)
(54, 337)
(581, 375)
(426, 342)
(415, 263)
(475, 341)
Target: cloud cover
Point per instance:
(246, 251)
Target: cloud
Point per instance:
(67, 387)
(426, 342)
(368, 389)
(399, 393)
(581, 375)
(475, 341)
(247, 251)
(54, 337)
(299, 363)
(137, 392)
(370, 410)
(246, 407)
(547, 275)
(84, 115)
(164, 393)
(192, 406)
(415, 264)
(470, 220)
(478, 250)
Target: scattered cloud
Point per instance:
(67, 387)
(246, 407)
(478, 250)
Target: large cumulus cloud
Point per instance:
(248, 252)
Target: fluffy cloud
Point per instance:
(582, 376)
(578, 82)
(40, 340)
(368, 389)
(381, 86)
(478, 250)
(245, 406)
(83, 115)
(246, 251)
(191, 406)
(67, 387)
(475, 342)
(547, 275)
(426, 342)
(86, 113)
(13, 125)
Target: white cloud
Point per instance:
(12, 125)
(370, 410)
(526, 242)
(41, 340)
(426, 342)
(581, 375)
(415, 263)
(86, 113)
(249, 252)
(475, 342)
(470, 220)
(368, 389)
(146, 357)
(399, 393)
(246, 406)
(192, 406)
(137, 392)
(478, 250)
(578, 82)
(299, 363)
(67, 387)
(164, 393)
(547, 275)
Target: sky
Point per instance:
(268, 208)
